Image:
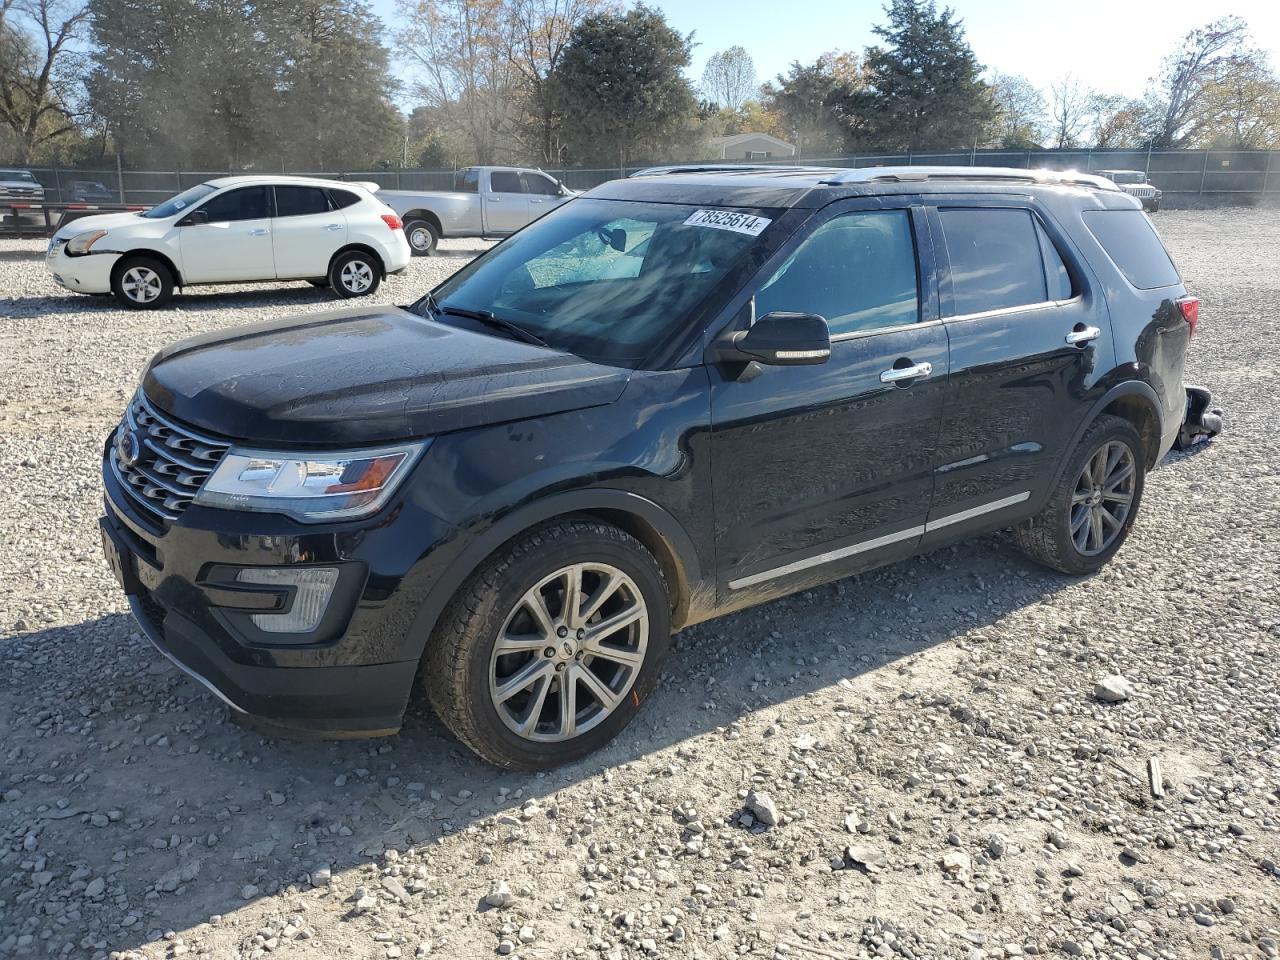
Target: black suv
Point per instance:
(671, 398)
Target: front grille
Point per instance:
(1140, 191)
(167, 465)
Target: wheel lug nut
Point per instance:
(549, 652)
(562, 632)
(581, 634)
(559, 667)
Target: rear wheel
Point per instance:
(549, 650)
(142, 283)
(355, 274)
(1092, 509)
(422, 236)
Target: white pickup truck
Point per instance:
(484, 202)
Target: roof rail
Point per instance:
(981, 174)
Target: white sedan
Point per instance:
(235, 230)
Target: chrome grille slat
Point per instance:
(173, 462)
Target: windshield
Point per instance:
(19, 175)
(1119, 176)
(175, 205)
(609, 280)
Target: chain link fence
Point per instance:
(1222, 176)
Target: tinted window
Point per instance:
(466, 181)
(505, 181)
(858, 271)
(1132, 244)
(1055, 271)
(247, 203)
(299, 201)
(995, 259)
(537, 183)
(343, 199)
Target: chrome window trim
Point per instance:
(1003, 311)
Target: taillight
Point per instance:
(392, 221)
(1190, 307)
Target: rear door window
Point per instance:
(1131, 242)
(995, 259)
(300, 201)
(467, 181)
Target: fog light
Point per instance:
(310, 599)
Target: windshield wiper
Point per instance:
(489, 319)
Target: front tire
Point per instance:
(423, 237)
(142, 283)
(355, 274)
(1093, 507)
(548, 651)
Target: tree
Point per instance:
(1180, 92)
(290, 82)
(923, 87)
(1242, 106)
(539, 32)
(38, 76)
(1118, 122)
(462, 50)
(1020, 112)
(1069, 111)
(810, 101)
(620, 86)
(729, 78)
(334, 85)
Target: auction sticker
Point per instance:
(726, 220)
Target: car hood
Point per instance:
(101, 221)
(362, 375)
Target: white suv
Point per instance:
(235, 230)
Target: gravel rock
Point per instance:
(763, 808)
(1113, 689)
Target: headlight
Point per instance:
(309, 487)
(79, 244)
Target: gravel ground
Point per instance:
(927, 761)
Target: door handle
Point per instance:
(259, 232)
(494, 199)
(1079, 337)
(894, 374)
(333, 226)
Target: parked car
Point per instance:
(235, 230)
(485, 202)
(19, 192)
(1135, 184)
(517, 487)
(91, 191)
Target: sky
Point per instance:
(1112, 47)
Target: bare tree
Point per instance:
(462, 51)
(538, 33)
(1069, 111)
(37, 83)
(1021, 112)
(729, 79)
(1180, 90)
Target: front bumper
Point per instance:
(87, 274)
(351, 678)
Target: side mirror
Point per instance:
(782, 339)
(194, 217)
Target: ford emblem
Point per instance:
(128, 449)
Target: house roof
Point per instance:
(738, 138)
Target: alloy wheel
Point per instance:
(1103, 498)
(569, 652)
(356, 276)
(141, 284)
